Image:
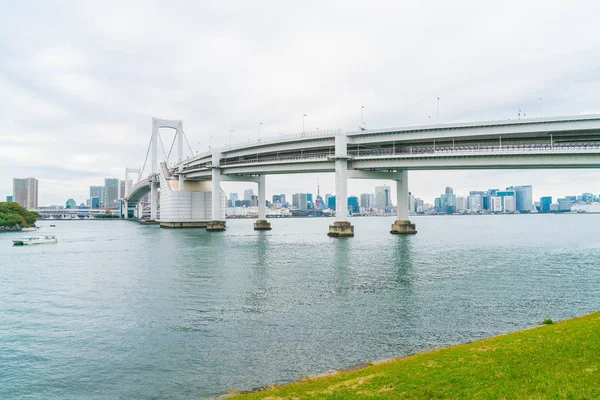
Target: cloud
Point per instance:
(82, 80)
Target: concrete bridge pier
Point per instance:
(341, 227)
(216, 224)
(262, 224)
(402, 225)
(153, 201)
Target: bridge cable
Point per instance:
(163, 147)
(172, 144)
(145, 161)
(188, 143)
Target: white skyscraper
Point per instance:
(496, 204)
(510, 204)
(25, 192)
(382, 198)
(248, 193)
(461, 203)
(111, 192)
(474, 202)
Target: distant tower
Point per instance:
(318, 201)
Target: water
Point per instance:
(120, 310)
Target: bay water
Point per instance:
(121, 310)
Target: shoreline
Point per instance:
(401, 361)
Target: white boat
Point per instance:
(32, 229)
(35, 240)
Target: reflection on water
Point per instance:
(149, 312)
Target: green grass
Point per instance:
(556, 361)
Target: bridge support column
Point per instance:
(262, 224)
(402, 225)
(125, 210)
(217, 224)
(341, 227)
(153, 201)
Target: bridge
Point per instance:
(190, 188)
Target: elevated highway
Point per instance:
(555, 142)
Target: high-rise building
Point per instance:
(382, 198)
(25, 192)
(248, 193)
(254, 201)
(367, 200)
(70, 204)
(461, 203)
(276, 198)
(95, 203)
(510, 204)
(564, 204)
(545, 203)
(474, 202)
(524, 198)
(411, 202)
(97, 191)
(309, 197)
(9, 199)
(331, 202)
(111, 192)
(299, 201)
(353, 204)
(121, 189)
(233, 197)
(496, 204)
(449, 190)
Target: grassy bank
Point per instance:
(561, 360)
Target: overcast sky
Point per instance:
(80, 81)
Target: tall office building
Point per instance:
(25, 192)
(474, 202)
(233, 197)
(331, 202)
(353, 204)
(382, 198)
(367, 200)
(299, 201)
(496, 204)
(9, 199)
(111, 192)
(248, 193)
(121, 189)
(97, 191)
(510, 204)
(524, 198)
(545, 203)
(461, 203)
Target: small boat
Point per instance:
(52, 226)
(31, 229)
(35, 240)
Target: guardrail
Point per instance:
(417, 151)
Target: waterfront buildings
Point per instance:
(545, 203)
(382, 198)
(353, 206)
(233, 198)
(111, 192)
(367, 200)
(97, 191)
(71, 204)
(524, 198)
(300, 201)
(474, 202)
(496, 204)
(25, 192)
(510, 204)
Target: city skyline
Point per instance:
(67, 123)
